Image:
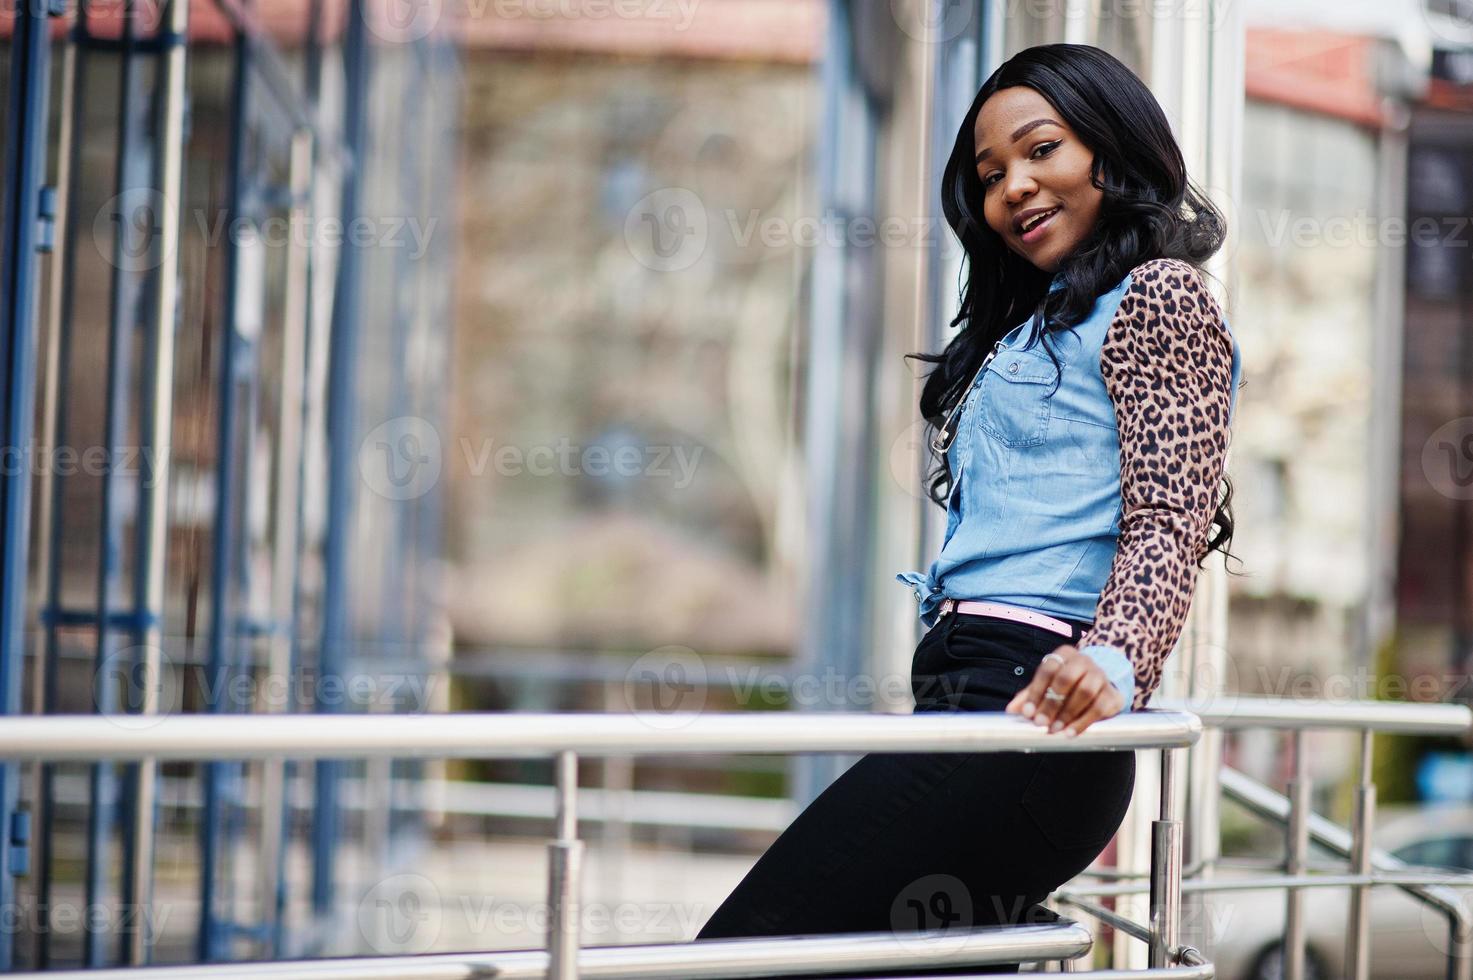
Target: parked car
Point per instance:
(1409, 940)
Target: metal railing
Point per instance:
(565, 736)
(151, 739)
(1368, 866)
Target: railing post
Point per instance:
(1460, 944)
(565, 860)
(1295, 859)
(1358, 941)
(154, 521)
(1165, 898)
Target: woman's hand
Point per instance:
(1087, 693)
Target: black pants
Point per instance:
(932, 840)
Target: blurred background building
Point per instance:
(548, 356)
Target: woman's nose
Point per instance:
(1018, 189)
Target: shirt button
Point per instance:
(1013, 368)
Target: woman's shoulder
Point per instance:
(1167, 309)
(1172, 286)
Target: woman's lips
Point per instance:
(1037, 231)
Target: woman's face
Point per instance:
(1034, 163)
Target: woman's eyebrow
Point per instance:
(1019, 133)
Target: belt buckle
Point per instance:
(947, 605)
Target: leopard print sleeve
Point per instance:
(1167, 362)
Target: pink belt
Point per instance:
(1001, 610)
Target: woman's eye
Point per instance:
(1047, 148)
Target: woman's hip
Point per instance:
(1074, 800)
(977, 663)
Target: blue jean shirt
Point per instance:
(1035, 511)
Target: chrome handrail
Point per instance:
(706, 960)
(563, 735)
(1369, 866)
(1274, 806)
(1393, 717)
(540, 734)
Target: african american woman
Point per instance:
(1080, 423)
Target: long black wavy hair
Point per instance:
(1150, 209)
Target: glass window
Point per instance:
(635, 236)
(1439, 852)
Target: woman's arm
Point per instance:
(1167, 361)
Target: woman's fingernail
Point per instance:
(1056, 726)
(1070, 731)
(1028, 709)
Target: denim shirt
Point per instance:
(1093, 501)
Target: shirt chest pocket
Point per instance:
(1014, 397)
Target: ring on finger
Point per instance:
(1052, 695)
(1056, 656)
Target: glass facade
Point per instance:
(235, 292)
